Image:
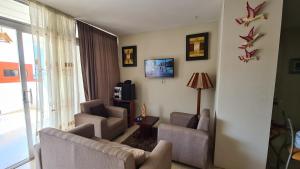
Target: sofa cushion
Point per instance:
(203, 123)
(138, 154)
(180, 118)
(99, 110)
(84, 130)
(193, 122)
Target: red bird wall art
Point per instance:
(250, 39)
(249, 56)
(252, 14)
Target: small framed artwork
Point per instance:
(294, 66)
(197, 46)
(129, 56)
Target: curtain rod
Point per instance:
(22, 1)
(26, 3)
(96, 27)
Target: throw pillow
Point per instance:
(203, 123)
(99, 110)
(138, 154)
(193, 122)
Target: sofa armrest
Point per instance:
(84, 130)
(160, 157)
(38, 156)
(180, 119)
(100, 123)
(168, 130)
(187, 144)
(119, 112)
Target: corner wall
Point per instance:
(245, 92)
(164, 96)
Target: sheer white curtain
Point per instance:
(57, 67)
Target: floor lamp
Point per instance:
(200, 81)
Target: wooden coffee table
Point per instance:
(146, 125)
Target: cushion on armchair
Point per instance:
(193, 122)
(99, 110)
(138, 154)
(203, 123)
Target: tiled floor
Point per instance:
(13, 138)
(119, 140)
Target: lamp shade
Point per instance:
(200, 81)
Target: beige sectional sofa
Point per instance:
(80, 149)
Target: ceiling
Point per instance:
(123, 17)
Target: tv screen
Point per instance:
(159, 68)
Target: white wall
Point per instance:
(245, 91)
(163, 97)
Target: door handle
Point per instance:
(30, 92)
(30, 95)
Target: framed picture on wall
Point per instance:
(294, 66)
(129, 56)
(197, 46)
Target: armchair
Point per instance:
(105, 128)
(190, 146)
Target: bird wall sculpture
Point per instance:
(253, 14)
(249, 56)
(250, 39)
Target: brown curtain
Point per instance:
(99, 62)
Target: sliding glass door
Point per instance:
(31, 82)
(17, 96)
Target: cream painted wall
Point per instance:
(171, 94)
(245, 91)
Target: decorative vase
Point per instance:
(143, 111)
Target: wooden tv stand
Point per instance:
(130, 106)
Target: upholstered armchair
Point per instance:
(190, 146)
(105, 128)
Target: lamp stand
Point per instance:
(198, 102)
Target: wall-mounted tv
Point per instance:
(159, 67)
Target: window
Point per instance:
(10, 73)
(81, 89)
(15, 11)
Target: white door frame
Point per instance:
(20, 28)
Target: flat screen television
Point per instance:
(155, 68)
